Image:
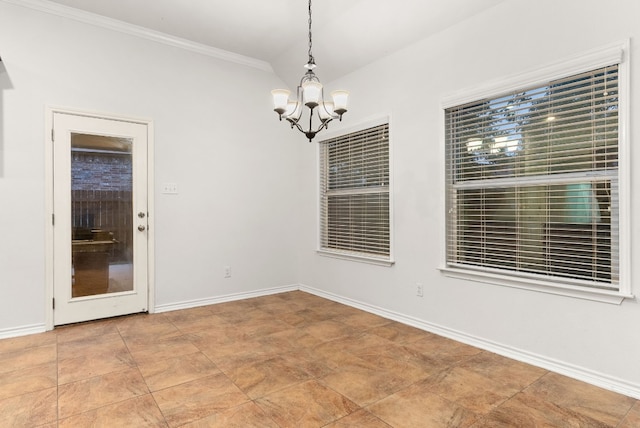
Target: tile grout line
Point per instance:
(305, 362)
(101, 375)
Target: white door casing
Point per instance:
(65, 307)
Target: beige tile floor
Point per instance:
(287, 360)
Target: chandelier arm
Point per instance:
(330, 114)
(297, 125)
(323, 125)
(310, 133)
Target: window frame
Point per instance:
(344, 254)
(614, 53)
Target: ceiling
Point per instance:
(347, 34)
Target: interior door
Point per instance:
(100, 230)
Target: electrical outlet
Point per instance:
(227, 271)
(419, 290)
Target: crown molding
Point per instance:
(145, 33)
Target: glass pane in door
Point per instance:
(101, 215)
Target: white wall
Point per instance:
(217, 138)
(236, 206)
(594, 339)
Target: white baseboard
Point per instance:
(22, 331)
(580, 373)
(225, 298)
(41, 328)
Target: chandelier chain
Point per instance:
(311, 59)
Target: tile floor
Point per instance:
(286, 360)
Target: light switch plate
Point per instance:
(170, 188)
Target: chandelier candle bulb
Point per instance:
(280, 100)
(293, 110)
(311, 93)
(340, 101)
(326, 111)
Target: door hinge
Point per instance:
(53, 219)
(53, 303)
(52, 135)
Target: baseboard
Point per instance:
(225, 298)
(580, 373)
(22, 331)
(41, 328)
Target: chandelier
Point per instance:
(310, 94)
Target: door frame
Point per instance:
(48, 220)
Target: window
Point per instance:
(533, 183)
(354, 195)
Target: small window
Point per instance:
(354, 194)
(533, 182)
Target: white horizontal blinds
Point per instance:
(562, 230)
(532, 180)
(355, 193)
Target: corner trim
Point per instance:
(138, 31)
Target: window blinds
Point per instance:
(532, 181)
(354, 192)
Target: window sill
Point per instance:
(526, 283)
(356, 258)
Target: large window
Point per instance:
(533, 182)
(354, 194)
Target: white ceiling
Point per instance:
(347, 34)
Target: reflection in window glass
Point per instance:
(532, 180)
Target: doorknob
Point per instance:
(141, 228)
(141, 214)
